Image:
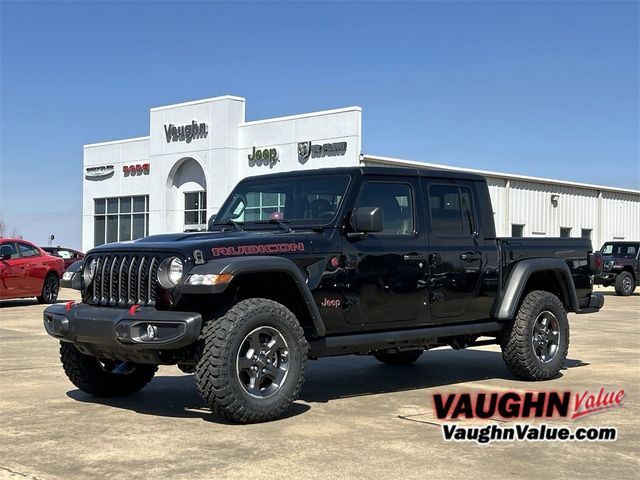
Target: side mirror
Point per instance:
(5, 252)
(367, 219)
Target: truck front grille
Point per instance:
(122, 280)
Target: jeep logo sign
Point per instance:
(266, 156)
(185, 133)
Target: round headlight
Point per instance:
(89, 271)
(170, 272)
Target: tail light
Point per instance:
(596, 261)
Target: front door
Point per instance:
(386, 271)
(455, 258)
(12, 275)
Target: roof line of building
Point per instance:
(488, 173)
(303, 115)
(111, 142)
(196, 102)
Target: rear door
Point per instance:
(35, 269)
(386, 271)
(456, 261)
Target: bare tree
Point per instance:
(5, 230)
(3, 227)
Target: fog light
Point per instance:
(152, 332)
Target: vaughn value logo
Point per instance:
(512, 405)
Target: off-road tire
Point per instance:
(217, 375)
(90, 375)
(625, 285)
(50, 289)
(399, 358)
(517, 339)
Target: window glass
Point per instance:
(396, 202)
(300, 200)
(565, 232)
(125, 205)
(100, 206)
(112, 205)
(517, 230)
(139, 204)
(619, 249)
(451, 209)
(125, 228)
(195, 210)
(99, 229)
(27, 250)
(586, 233)
(138, 226)
(14, 252)
(66, 254)
(112, 228)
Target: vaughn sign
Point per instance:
(185, 133)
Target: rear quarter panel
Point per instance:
(572, 250)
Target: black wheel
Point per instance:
(399, 358)
(625, 284)
(50, 289)
(104, 378)
(535, 344)
(253, 360)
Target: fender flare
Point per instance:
(238, 266)
(520, 274)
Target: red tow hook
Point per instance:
(134, 309)
(68, 305)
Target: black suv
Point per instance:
(375, 261)
(621, 266)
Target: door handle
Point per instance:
(415, 258)
(471, 256)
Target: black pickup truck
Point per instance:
(375, 261)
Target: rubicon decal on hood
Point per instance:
(258, 249)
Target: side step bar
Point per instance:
(366, 342)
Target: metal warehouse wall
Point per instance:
(544, 206)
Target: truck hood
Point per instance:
(219, 244)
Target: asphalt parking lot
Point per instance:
(356, 418)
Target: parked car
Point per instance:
(69, 255)
(28, 271)
(621, 266)
(388, 262)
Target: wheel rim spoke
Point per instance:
(262, 362)
(545, 337)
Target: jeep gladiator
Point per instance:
(388, 262)
(621, 267)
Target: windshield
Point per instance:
(303, 200)
(619, 249)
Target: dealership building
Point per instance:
(196, 152)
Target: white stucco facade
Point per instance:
(165, 168)
(196, 152)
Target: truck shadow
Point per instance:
(330, 379)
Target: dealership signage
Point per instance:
(138, 169)
(99, 172)
(263, 157)
(315, 150)
(185, 133)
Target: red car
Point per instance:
(28, 271)
(69, 255)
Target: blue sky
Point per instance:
(538, 88)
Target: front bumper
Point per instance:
(119, 334)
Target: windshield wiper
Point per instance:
(275, 221)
